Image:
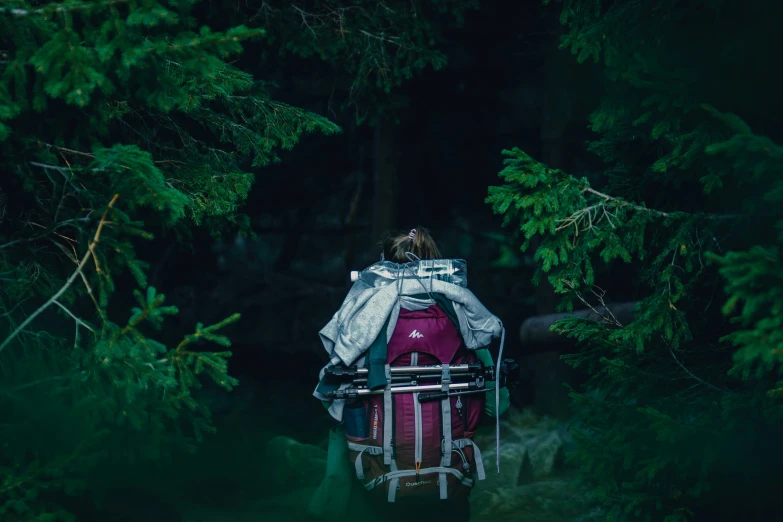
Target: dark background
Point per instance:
(321, 212)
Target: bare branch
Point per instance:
(607, 317)
(48, 231)
(394, 40)
(67, 284)
(78, 321)
(605, 306)
(702, 381)
(622, 203)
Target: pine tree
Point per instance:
(118, 119)
(681, 417)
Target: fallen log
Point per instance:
(535, 334)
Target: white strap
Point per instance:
(393, 476)
(461, 443)
(394, 483)
(387, 419)
(362, 449)
(444, 486)
(497, 397)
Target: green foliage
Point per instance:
(371, 48)
(754, 282)
(118, 120)
(682, 410)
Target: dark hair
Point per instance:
(418, 242)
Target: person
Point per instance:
(403, 248)
(397, 248)
(418, 241)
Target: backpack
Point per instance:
(412, 448)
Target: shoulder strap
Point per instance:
(376, 360)
(444, 303)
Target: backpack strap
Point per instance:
(389, 457)
(394, 477)
(394, 483)
(395, 474)
(445, 416)
(362, 449)
(388, 415)
(377, 375)
(461, 443)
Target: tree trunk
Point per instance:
(556, 115)
(547, 372)
(385, 180)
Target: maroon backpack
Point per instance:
(420, 448)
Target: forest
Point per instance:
(186, 186)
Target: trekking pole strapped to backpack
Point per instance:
(405, 379)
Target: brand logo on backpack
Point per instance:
(419, 483)
(415, 334)
(375, 423)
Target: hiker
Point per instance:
(400, 455)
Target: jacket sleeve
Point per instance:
(489, 405)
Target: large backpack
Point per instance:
(414, 448)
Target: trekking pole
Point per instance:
(413, 379)
(337, 372)
(440, 396)
(352, 393)
(509, 375)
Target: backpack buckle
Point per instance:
(445, 378)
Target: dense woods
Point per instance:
(185, 185)
(680, 415)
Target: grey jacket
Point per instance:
(363, 313)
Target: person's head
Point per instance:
(418, 242)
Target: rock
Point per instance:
(533, 483)
(512, 457)
(552, 500)
(525, 455)
(294, 465)
(543, 456)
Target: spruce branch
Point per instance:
(68, 282)
(69, 151)
(594, 214)
(623, 203)
(208, 333)
(59, 8)
(210, 42)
